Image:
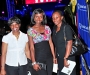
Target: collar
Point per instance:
(13, 35)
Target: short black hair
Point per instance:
(14, 19)
(38, 11)
(60, 12)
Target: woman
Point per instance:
(41, 46)
(15, 50)
(59, 41)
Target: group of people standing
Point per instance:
(37, 45)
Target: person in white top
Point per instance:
(15, 50)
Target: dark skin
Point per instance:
(38, 18)
(15, 30)
(57, 19)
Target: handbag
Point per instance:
(78, 47)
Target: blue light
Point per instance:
(10, 8)
(23, 6)
(60, 5)
(24, 9)
(17, 10)
(48, 13)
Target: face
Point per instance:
(57, 18)
(15, 27)
(38, 18)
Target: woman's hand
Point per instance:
(3, 72)
(36, 67)
(55, 60)
(66, 64)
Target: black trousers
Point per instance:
(20, 70)
(48, 71)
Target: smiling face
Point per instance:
(38, 18)
(57, 18)
(15, 27)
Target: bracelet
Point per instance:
(65, 58)
(33, 63)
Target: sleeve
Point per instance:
(49, 30)
(68, 32)
(29, 32)
(5, 39)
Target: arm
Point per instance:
(3, 57)
(69, 37)
(27, 51)
(32, 48)
(68, 48)
(52, 48)
(35, 65)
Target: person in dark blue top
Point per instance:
(62, 51)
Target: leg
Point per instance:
(60, 66)
(42, 72)
(23, 70)
(49, 64)
(11, 70)
(33, 72)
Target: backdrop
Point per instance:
(83, 29)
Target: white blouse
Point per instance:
(16, 49)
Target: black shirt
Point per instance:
(58, 39)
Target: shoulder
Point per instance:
(67, 27)
(47, 27)
(7, 35)
(23, 34)
(30, 29)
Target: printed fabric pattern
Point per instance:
(38, 37)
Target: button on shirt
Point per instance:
(16, 49)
